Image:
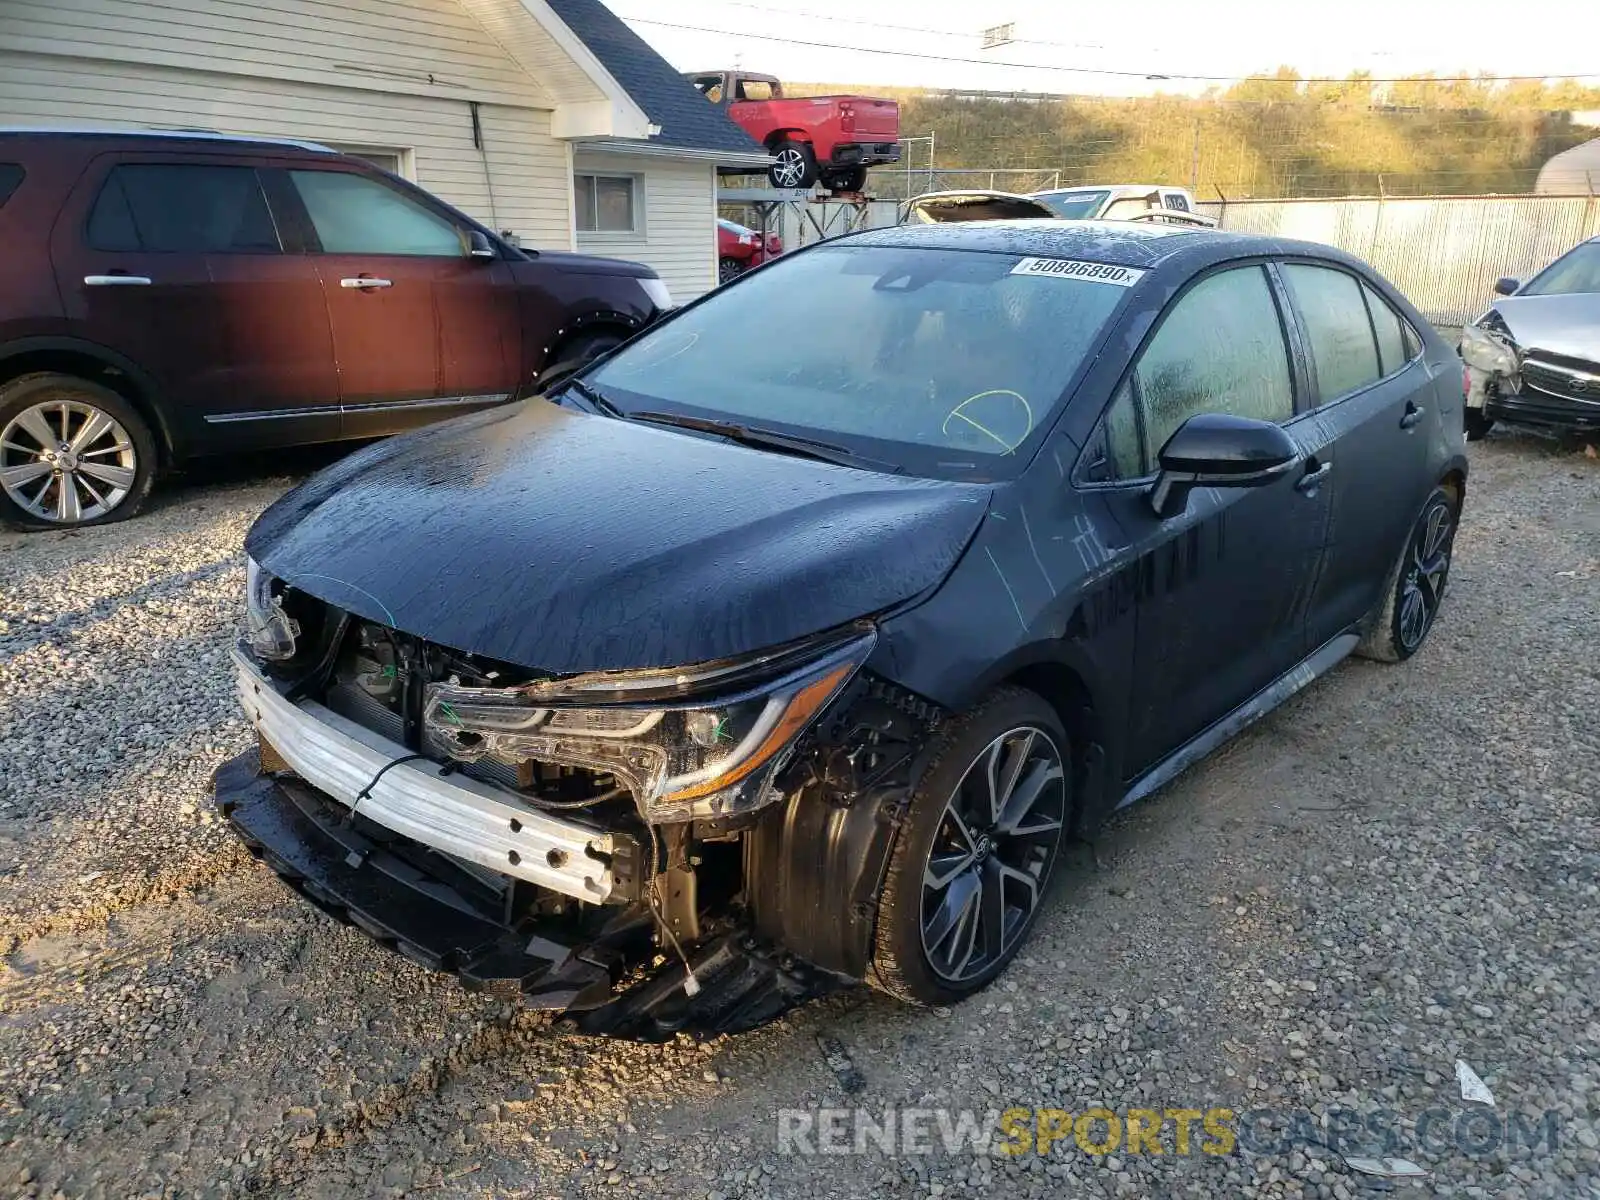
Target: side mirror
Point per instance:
(1506, 286)
(479, 245)
(1219, 450)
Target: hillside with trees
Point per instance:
(1265, 136)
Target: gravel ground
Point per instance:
(1398, 869)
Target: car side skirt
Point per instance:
(1319, 662)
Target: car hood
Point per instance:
(563, 541)
(1565, 325)
(593, 264)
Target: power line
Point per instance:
(1124, 74)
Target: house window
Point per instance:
(384, 158)
(607, 203)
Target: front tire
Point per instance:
(796, 165)
(969, 868)
(1478, 424)
(1416, 584)
(573, 358)
(72, 453)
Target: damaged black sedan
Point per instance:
(743, 667)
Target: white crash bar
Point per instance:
(453, 813)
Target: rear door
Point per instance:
(1222, 587)
(420, 328)
(1372, 395)
(176, 263)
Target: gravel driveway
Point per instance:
(1399, 869)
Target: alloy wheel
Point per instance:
(790, 167)
(66, 461)
(1426, 575)
(992, 853)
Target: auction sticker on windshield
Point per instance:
(1066, 268)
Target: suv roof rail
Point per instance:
(208, 135)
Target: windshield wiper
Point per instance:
(596, 399)
(769, 439)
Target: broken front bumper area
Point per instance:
(431, 909)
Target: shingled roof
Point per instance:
(687, 120)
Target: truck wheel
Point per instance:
(796, 165)
(851, 179)
(973, 858)
(72, 453)
(1478, 424)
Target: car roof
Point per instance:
(1115, 188)
(183, 135)
(1121, 243)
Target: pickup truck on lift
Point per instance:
(831, 138)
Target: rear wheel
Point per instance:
(969, 868)
(850, 179)
(573, 357)
(72, 453)
(1416, 585)
(795, 165)
(729, 269)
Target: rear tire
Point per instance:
(72, 454)
(849, 179)
(964, 886)
(729, 269)
(796, 166)
(1416, 585)
(1478, 424)
(574, 357)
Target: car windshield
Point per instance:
(730, 227)
(1074, 206)
(940, 362)
(1576, 271)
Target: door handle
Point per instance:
(116, 281)
(1413, 414)
(1309, 482)
(366, 281)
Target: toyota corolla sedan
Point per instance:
(736, 671)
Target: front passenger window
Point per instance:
(1220, 349)
(356, 215)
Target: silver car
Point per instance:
(1534, 358)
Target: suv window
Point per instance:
(10, 179)
(1342, 345)
(182, 208)
(1220, 348)
(356, 215)
(1395, 336)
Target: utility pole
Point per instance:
(1194, 161)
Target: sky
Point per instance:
(1139, 37)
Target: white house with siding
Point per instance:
(546, 118)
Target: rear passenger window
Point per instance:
(1335, 315)
(10, 179)
(177, 208)
(1394, 344)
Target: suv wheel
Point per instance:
(969, 868)
(1415, 588)
(72, 453)
(795, 166)
(572, 358)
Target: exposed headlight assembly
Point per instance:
(682, 757)
(1487, 351)
(272, 632)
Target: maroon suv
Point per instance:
(170, 295)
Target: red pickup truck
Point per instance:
(831, 138)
